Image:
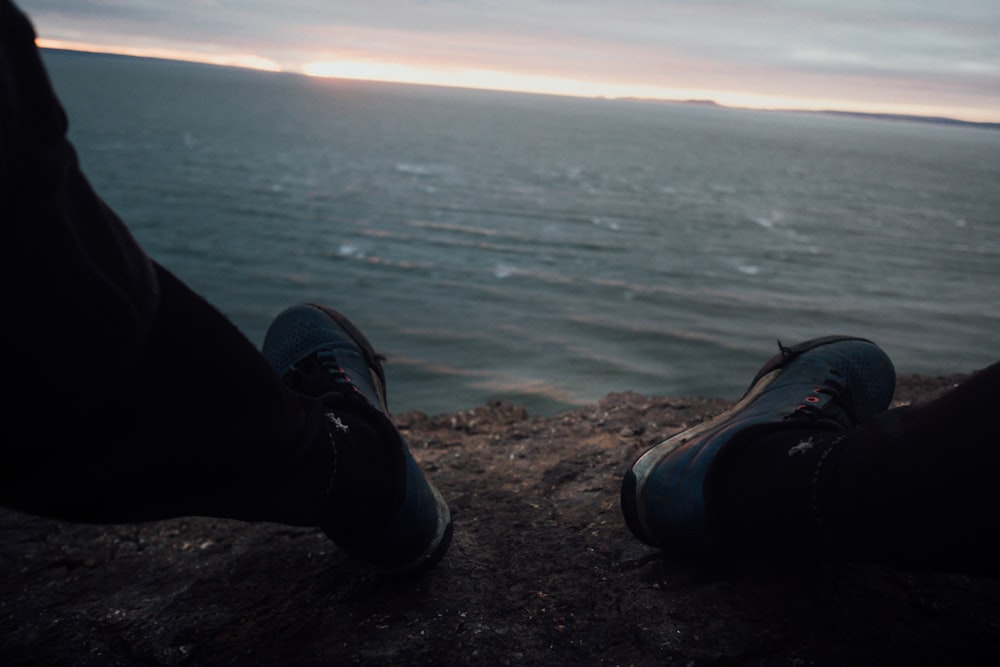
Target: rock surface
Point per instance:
(542, 571)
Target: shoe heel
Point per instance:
(419, 532)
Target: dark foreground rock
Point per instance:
(542, 571)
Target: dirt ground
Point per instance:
(542, 571)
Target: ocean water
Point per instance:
(548, 250)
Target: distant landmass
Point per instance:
(938, 120)
(941, 120)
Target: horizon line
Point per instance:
(254, 63)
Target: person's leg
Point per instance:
(196, 425)
(911, 486)
(119, 377)
(79, 295)
(920, 485)
(914, 485)
(134, 399)
(204, 425)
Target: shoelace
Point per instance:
(321, 373)
(813, 406)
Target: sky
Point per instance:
(887, 56)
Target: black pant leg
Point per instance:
(79, 295)
(921, 484)
(128, 397)
(914, 486)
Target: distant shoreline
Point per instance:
(939, 120)
(912, 118)
(936, 120)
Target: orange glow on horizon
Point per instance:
(244, 60)
(370, 70)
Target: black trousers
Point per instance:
(915, 485)
(128, 396)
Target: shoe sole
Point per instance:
(439, 544)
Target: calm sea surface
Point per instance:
(548, 250)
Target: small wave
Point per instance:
(747, 269)
(520, 387)
(423, 169)
(429, 367)
(768, 221)
(397, 263)
(419, 169)
(607, 224)
(298, 278)
(502, 271)
(453, 227)
(350, 250)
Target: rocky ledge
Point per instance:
(542, 571)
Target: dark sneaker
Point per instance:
(831, 383)
(320, 353)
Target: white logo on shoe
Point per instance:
(337, 424)
(802, 447)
